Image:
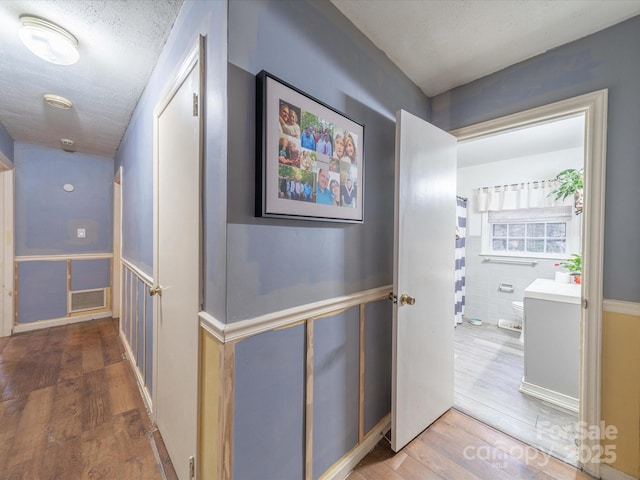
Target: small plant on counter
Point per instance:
(574, 265)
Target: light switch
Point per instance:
(81, 233)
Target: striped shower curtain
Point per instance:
(461, 233)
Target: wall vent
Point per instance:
(87, 300)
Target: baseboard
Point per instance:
(343, 467)
(560, 399)
(56, 322)
(141, 386)
(607, 472)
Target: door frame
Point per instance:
(594, 107)
(7, 246)
(116, 266)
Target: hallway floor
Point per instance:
(70, 408)
(459, 447)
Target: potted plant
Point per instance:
(574, 265)
(570, 182)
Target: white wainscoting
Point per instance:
(135, 325)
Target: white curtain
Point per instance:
(519, 196)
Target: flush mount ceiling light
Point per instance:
(57, 101)
(49, 41)
(67, 145)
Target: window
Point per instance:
(542, 237)
(552, 232)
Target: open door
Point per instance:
(423, 279)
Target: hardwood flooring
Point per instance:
(70, 408)
(489, 367)
(458, 447)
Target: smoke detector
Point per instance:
(57, 101)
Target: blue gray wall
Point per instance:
(6, 144)
(607, 59)
(135, 153)
(47, 217)
(279, 264)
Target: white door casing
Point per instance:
(424, 256)
(177, 246)
(116, 267)
(6, 248)
(594, 107)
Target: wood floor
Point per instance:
(489, 366)
(70, 408)
(457, 447)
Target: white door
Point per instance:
(176, 269)
(422, 371)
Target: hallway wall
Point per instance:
(49, 254)
(6, 144)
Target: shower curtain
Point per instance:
(461, 233)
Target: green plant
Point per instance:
(573, 263)
(570, 181)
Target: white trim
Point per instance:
(116, 264)
(212, 325)
(136, 271)
(564, 401)
(56, 322)
(594, 106)
(236, 331)
(132, 363)
(344, 466)
(607, 472)
(57, 258)
(618, 306)
(7, 237)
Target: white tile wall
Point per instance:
(483, 300)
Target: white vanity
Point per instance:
(552, 342)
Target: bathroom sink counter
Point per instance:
(547, 289)
(552, 342)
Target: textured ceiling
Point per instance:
(119, 43)
(441, 44)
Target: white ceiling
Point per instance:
(439, 44)
(119, 44)
(538, 139)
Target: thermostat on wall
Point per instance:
(68, 187)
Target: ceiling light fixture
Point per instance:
(67, 145)
(49, 41)
(57, 101)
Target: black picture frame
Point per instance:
(309, 156)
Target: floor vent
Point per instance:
(87, 300)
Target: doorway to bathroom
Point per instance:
(514, 234)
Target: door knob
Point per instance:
(156, 290)
(407, 300)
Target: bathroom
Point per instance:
(515, 234)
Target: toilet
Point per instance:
(518, 310)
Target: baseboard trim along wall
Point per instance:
(346, 464)
(56, 322)
(236, 331)
(609, 473)
(550, 396)
(132, 363)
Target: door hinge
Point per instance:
(585, 303)
(192, 467)
(195, 105)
